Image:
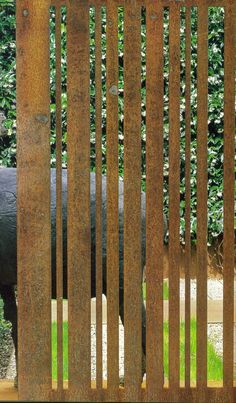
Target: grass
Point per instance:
(215, 365)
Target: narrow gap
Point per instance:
(193, 161)
(121, 163)
(52, 23)
(215, 189)
(143, 153)
(103, 66)
(92, 188)
(182, 191)
(166, 183)
(64, 193)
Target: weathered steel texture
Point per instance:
(34, 240)
(229, 183)
(174, 190)
(78, 224)
(59, 234)
(202, 132)
(112, 202)
(33, 200)
(214, 394)
(163, 3)
(99, 277)
(132, 199)
(154, 199)
(187, 192)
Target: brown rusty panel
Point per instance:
(163, 3)
(213, 394)
(59, 234)
(174, 186)
(187, 192)
(132, 200)
(154, 199)
(99, 278)
(229, 181)
(78, 214)
(33, 200)
(112, 202)
(202, 131)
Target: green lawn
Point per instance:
(215, 366)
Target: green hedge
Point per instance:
(215, 97)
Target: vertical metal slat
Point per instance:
(33, 201)
(79, 228)
(154, 200)
(132, 200)
(229, 180)
(202, 130)
(112, 203)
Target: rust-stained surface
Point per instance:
(202, 131)
(174, 191)
(34, 255)
(132, 200)
(154, 199)
(33, 202)
(229, 183)
(112, 262)
(78, 215)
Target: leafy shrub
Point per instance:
(215, 98)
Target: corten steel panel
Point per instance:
(229, 181)
(187, 193)
(59, 233)
(154, 199)
(33, 200)
(132, 200)
(99, 276)
(174, 190)
(78, 214)
(163, 3)
(202, 132)
(112, 202)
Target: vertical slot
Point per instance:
(59, 222)
(183, 187)
(215, 193)
(193, 183)
(121, 175)
(54, 336)
(166, 181)
(94, 209)
(187, 200)
(104, 189)
(143, 181)
(64, 193)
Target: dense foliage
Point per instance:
(215, 97)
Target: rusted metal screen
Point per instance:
(134, 225)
